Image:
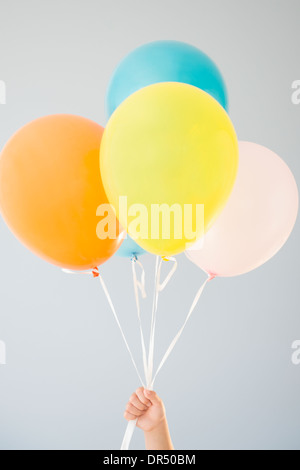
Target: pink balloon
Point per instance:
(257, 220)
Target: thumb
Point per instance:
(152, 396)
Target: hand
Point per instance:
(147, 407)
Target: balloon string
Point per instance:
(137, 285)
(120, 327)
(158, 287)
(148, 366)
(128, 434)
(177, 336)
(153, 317)
(140, 286)
(170, 275)
(95, 273)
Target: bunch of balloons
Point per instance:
(169, 145)
(168, 140)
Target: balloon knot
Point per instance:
(165, 258)
(134, 258)
(95, 272)
(211, 277)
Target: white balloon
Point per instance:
(257, 220)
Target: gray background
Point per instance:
(230, 383)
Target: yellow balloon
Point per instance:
(168, 149)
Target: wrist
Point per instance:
(158, 438)
(160, 425)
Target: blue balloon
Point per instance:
(164, 61)
(130, 249)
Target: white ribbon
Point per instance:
(148, 366)
(139, 286)
(158, 287)
(128, 434)
(120, 328)
(95, 273)
(179, 333)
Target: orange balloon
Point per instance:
(50, 189)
